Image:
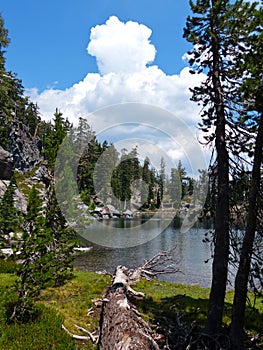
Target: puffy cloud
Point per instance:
(123, 51)
(121, 47)
(151, 86)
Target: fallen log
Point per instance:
(121, 325)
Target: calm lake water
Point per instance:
(191, 252)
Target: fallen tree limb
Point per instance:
(121, 326)
(93, 338)
(74, 336)
(90, 336)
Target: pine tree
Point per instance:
(33, 271)
(251, 93)
(219, 30)
(62, 242)
(9, 215)
(46, 251)
(87, 162)
(54, 138)
(149, 177)
(103, 173)
(162, 182)
(175, 187)
(65, 173)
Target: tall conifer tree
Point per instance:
(218, 31)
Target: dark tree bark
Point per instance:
(222, 32)
(220, 261)
(241, 282)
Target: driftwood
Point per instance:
(121, 326)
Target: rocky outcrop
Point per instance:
(6, 165)
(25, 156)
(3, 186)
(25, 149)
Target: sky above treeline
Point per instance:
(49, 38)
(84, 56)
(80, 56)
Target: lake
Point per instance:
(191, 252)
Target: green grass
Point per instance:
(70, 305)
(6, 280)
(42, 334)
(74, 300)
(170, 299)
(7, 266)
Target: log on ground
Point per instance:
(121, 326)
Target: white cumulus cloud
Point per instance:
(121, 47)
(124, 52)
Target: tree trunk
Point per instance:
(239, 305)
(121, 326)
(221, 251)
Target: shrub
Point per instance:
(7, 266)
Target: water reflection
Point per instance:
(123, 233)
(191, 252)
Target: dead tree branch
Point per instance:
(121, 326)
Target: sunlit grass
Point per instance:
(6, 279)
(72, 304)
(68, 304)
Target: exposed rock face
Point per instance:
(6, 165)
(25, 149)
(20, 202)
(25, 156)
(3, 186)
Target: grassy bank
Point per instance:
(72, 304)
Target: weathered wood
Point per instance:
(121, 326)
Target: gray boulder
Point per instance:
(6, 165)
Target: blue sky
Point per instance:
(85, 57)
(49, 38)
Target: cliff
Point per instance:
(25, 149)
(26, 161)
